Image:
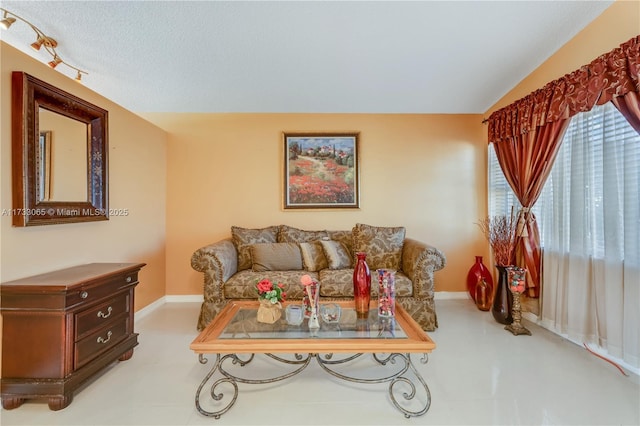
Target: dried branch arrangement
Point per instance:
(500, 231)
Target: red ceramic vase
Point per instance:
(361, 285)
(478, 272)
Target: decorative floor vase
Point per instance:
(478, 271)
(362, 285)
(502, 298)
(516, 284)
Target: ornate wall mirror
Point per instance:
(59, 155)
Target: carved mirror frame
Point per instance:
(29, 94)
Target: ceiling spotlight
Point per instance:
(7, 21)
(43, 40)
(79, 77)
(37, 44)
(55, 62)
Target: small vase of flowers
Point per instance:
(311, 300)
(270, 297)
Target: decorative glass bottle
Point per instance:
(361, 285)
(386, 293)
(478, 271)
(483, 295)
(502, 299)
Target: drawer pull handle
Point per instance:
(84, 295)
(101, 340)
(103, 315)
(128, 279)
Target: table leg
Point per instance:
(406, 374)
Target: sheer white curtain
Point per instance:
(590, 219)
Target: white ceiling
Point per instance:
(267, 56)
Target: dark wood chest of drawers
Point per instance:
(61, 328)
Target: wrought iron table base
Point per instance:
(327, 363)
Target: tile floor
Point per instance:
(479, 374)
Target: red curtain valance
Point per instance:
(613, 74)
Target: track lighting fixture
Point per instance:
(42, 40)
(7, 21)
(55, 62)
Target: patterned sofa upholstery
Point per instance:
(233, 266)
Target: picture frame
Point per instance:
(321, 170)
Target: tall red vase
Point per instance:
(362, 286)
(477, 272)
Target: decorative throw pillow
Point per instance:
(243, 238)
(383, 245)
(289, 234)
(337, 255)
(275, 257)
(345, 237)
(313, 256)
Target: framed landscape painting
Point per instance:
(321, 171)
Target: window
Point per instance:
(589, 219)
(592, 189)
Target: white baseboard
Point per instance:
(150, 308)
(530, 316)
(185, 298)
(448, 295)
(167, 299)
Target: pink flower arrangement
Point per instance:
(273, 293)
(306, 280)
(309, 294)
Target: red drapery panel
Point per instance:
(526, 161)
(527, 133)
(629, 107)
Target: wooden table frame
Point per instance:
(398, 354)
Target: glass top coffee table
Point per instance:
(235, 337)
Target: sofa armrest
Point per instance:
(218, 262)
(419, 262)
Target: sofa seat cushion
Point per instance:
(383, 245)
(339, 283)
(244, 237)
(242, 285)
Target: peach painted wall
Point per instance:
(137, 182)
(617, 24)
(424, 172)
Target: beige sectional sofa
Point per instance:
(283, 254)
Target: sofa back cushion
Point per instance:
(313, 257)
(243, 238)
(383, 245)
(289, 234)
(275, 257)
